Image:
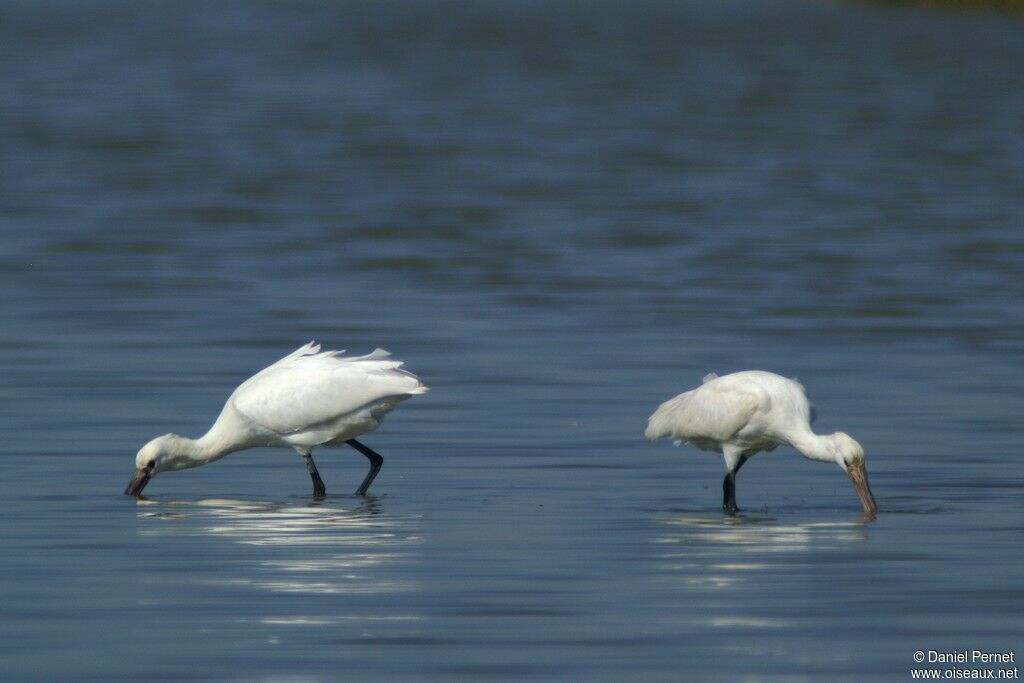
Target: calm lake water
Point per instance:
(559, 215)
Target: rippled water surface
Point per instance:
(559, 215)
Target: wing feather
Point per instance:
(713, 412)
(308, 388)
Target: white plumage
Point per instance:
(745, 413)
(308, 398)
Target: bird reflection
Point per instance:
(753, 534)
(726, 563)
(307, 547)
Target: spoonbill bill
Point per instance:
(308, 398)
(742, 414)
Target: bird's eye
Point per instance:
(151, 464)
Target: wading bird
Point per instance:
(306, 399)
(741, 414)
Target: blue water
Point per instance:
(559, 215)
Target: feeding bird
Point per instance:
(742, 414)
(308, 398)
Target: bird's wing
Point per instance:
(712, 412)
(308, 388)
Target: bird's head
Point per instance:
(850, 456)
(156, 456)
(846, 450)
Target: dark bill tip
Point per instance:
(138, 482)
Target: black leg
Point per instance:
(319, 491)
(729, 493)
(729, 488)
(375, 462)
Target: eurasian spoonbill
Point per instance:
(741, 414)
(306, 399)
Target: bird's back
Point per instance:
(730, 408)
(309, 389)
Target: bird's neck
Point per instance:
(195, 452)
(813, 446)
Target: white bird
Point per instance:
(306, 399)
(741, 414)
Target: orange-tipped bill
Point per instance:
(859, 477)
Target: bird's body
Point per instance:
(308, 398)
(747, 412)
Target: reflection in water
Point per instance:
(760, 534)
(302, 548)
(737, 557)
